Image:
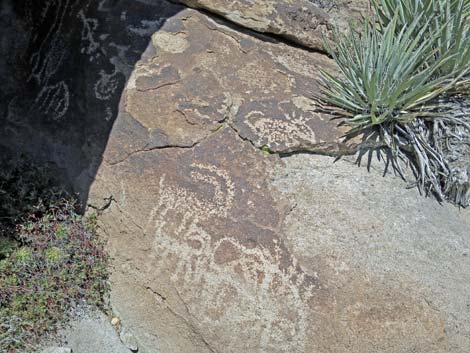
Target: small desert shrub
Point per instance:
(55, 263)
(60, 264)
(405, 84)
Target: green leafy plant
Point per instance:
(384, 79)
(50, 256)
(449, 18)
(404, 83)
(60, 264)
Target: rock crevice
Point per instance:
(301, 22)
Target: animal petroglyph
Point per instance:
(289, 130)
(194, 206)
(210, 271)
(249, 282)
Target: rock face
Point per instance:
(209, 259)
(395, 237)
(65, 72)
(220, 247)
(207, 76)
(305, 22)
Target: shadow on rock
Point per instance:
(64, 64)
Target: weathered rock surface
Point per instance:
(206, 260)
(57, 350)
(205, 75)
(394, 235)
(210, 253)
(305, 22)
(65, 74)
(89, 331)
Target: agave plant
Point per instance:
(405, 78)
(450, 18)
(385, 79)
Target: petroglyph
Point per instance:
(106, 86)
(250, 277)
(45, 66)
(54, 100)
(50, 50)
(147, 28)
(211, 270)
(289, 130)
(89, 45)
(108, 114)
(174, 43)
(192, 206)
(65, 29)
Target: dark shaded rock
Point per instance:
(65, 63)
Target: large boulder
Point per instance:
(221, 247)
(392, 235)
(218, 243)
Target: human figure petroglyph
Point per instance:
(89, 44)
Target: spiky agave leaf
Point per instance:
(453, 171)
(451, 18)
(407, 10)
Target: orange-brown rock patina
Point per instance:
(201, 261)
